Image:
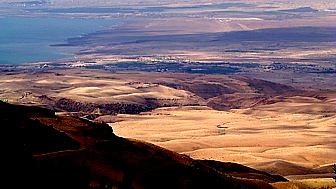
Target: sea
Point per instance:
(36, 39)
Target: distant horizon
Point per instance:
(279, 3)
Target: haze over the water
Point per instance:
(24, 40)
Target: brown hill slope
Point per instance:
(98, 92)
(42, 150)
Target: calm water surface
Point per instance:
(24, 40)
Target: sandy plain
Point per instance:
(291, 138)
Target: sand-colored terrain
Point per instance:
(93, 86)
(265, 125)
(89, 86)
(306, 184)
(281, 138)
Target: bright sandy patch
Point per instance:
(91, 87)
(279, 132)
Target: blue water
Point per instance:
(24, 40)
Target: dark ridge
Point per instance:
(103, 159)
(300, 10)
(92, 10)
(237, 170)
(286, 168)
(290, 34)
(21, 124)
(8, 110)
(116, 108)
(267, 88)
(225, 94)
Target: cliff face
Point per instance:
(42, 150)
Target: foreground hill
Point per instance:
(42, 150)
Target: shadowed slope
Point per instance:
(77, 153)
